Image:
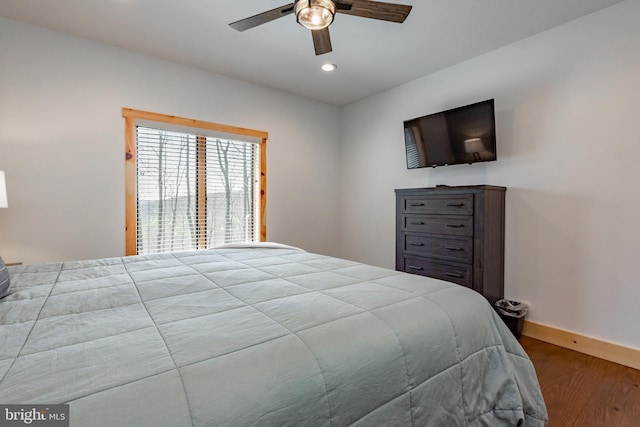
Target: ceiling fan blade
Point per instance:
(321, 41)
(374, 10)
(262, 18)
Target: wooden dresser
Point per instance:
(454, 234)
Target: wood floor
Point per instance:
(584, 391)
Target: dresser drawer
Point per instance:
(453, 233)
(442, 204)
(459, 249)
(460, 274)
(438, 224)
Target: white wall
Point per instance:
(567, 105)
(62, 143)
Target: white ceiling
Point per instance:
(371, 55)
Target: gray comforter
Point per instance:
(266, 337)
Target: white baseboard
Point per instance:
(612, 352)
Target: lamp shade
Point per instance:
(474, 145)
(3, 191)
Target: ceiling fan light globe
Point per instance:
(315, 14)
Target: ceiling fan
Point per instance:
(317, 15)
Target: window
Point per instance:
(191, 184)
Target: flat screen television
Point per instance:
(461, 135)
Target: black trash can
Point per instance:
(513, 314)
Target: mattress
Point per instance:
(264, 336)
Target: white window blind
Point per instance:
(195, 192)
(411, 147)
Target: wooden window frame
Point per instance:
(131, 117)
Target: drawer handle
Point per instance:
(456, 275)
(455, 225)
(455, 205)
(416, 205)
(449, 248)
(417, 223)
(416, 244)
(412, 267)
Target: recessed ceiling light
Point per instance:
(329, 67)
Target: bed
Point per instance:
(266, 336)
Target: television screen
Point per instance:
(460, 135)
